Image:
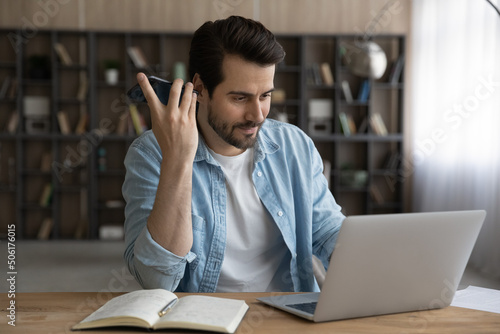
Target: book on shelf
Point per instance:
(161, 309)
(396, 70)
(319, 74)
(137, 119)
(344, 124)
(81, 126)
(46, 196)
(376, 195)
(378, 125)
(327, 170)
(63, 54)
(392, 160)
(13, 122)
(64, 126)
(122, 127)
(138, 58)
(46, 162)
(363, 126)
(13, 89)
(45, 229)
(316, 74)
(346, 89)
(81, 94)
(326, 74)
(5, 87)
(364, 91)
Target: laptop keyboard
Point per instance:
(305, 307)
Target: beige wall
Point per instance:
(280, 16)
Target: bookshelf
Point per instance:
(57, 183)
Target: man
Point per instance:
(221, 199)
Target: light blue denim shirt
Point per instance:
(288, 177)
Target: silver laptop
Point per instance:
(390, 263)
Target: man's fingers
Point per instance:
(175, 92)
(187, 97)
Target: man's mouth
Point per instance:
(248, 128)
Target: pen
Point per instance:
(167, 308)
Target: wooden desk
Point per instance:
(57, 312)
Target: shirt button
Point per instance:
(280, 213)
(259, 174)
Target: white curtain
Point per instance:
(455, 81)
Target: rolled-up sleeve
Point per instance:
(152, 265)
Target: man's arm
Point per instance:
(174, 127)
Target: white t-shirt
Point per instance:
(256, 255)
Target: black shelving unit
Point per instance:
(86, 186)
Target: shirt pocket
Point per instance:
(199, 225)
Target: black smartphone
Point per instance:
(160, 86)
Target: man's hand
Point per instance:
(174, 124)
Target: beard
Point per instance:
(227, 133)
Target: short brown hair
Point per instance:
(234, 35)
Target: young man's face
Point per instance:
(231, 119)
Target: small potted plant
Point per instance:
(111, 71)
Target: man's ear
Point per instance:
(199, 86)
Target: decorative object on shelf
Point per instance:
(180, 71)
(37, 112)
(320, 116)
(354, 178)
(367, 59)
(278, 115)
(111, 232)
(39, 67)
(111, 71)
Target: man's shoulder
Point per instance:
(281, 132)
(278, 128)
(146, 144)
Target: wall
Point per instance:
(281, 16)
